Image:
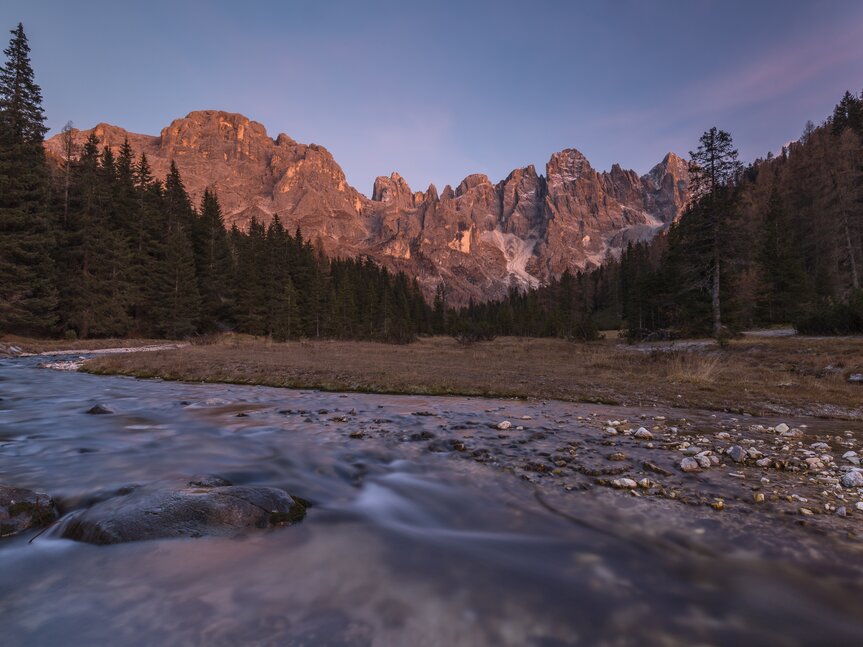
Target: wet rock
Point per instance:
(22, 509)
(656, 469)
(643, 434)
(855, 378)
(99, 410)
(624, 484)
(737, 453)
(645, 483)
(851, 457)
(703, 461)
(617, 456)
(689, 465)
(763, 462)
(841, 511)
(853, 479)
(611, 431)
(506, 424)
(814, 463)
(758, 497)
(859, 506)
(781, 428)
(195, 508)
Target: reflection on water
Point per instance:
(402, 546)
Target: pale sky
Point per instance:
(438, 90)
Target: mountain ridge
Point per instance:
(479, 238)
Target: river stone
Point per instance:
(781, 428)
(22, 509)
(99, 410)
(854, 478)
(689, 465)
(643, 434)
(737, 453)
(503, 426)
(197, 508)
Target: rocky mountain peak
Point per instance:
(566, 166)
(470, 182)
(393, 190)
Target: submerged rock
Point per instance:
(203, 506)
(99, 410)
(23, 509)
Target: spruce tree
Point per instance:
(713, 169)
(213, 263)
(27, 287)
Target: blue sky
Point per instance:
(437, 90)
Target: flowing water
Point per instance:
(402, 546)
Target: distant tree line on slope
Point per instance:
(100, 248)
(777, 242)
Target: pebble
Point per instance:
(723, 435)
(758, 497)
(737, 453)
(859, 505)
(645, 483)
(506, 424)
(617, 456)
(781, 428)
(806, 511)
(611, 431)
(643, 434)
(841, 511)
(624, 484)
(689, 465)
(853, 479)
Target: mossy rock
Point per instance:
(22, 509)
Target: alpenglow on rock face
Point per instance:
(479, 239)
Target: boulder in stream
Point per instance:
(22, 509)
(202, 506)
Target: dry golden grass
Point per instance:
(694, 368)
(763, 375)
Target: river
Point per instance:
(409, 541)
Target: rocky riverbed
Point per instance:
(273, 516)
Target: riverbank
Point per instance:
(753, 375)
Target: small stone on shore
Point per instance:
(853, 479)
(689, 465)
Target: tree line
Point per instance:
(779, 241)
(95, 246)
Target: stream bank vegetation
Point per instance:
(756, 375)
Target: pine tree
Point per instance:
(27, 288)
(713, 168)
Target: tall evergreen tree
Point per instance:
(27, 290)
(713, 168)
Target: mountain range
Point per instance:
(478, 238)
